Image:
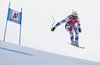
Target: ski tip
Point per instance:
(82, 47)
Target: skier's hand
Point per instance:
(80, 30)
(53, 28)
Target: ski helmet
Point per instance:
(74, 14)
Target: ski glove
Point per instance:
(53, 28)
(80, 30)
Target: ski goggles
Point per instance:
(74, 16)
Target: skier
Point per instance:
(71, 27)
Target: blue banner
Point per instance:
(14, 16)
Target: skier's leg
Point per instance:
(72, 38)
(76, 35)
(70, 29)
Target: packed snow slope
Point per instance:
(12, 54)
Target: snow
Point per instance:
(12, 54)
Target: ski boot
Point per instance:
(76, 43)
(72, 42)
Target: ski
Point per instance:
(77, 46)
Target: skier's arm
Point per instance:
(63, 21)
(59, 23)
(79, 25)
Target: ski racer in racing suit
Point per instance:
(71, 27)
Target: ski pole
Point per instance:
(54, 20)
(72, 10)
